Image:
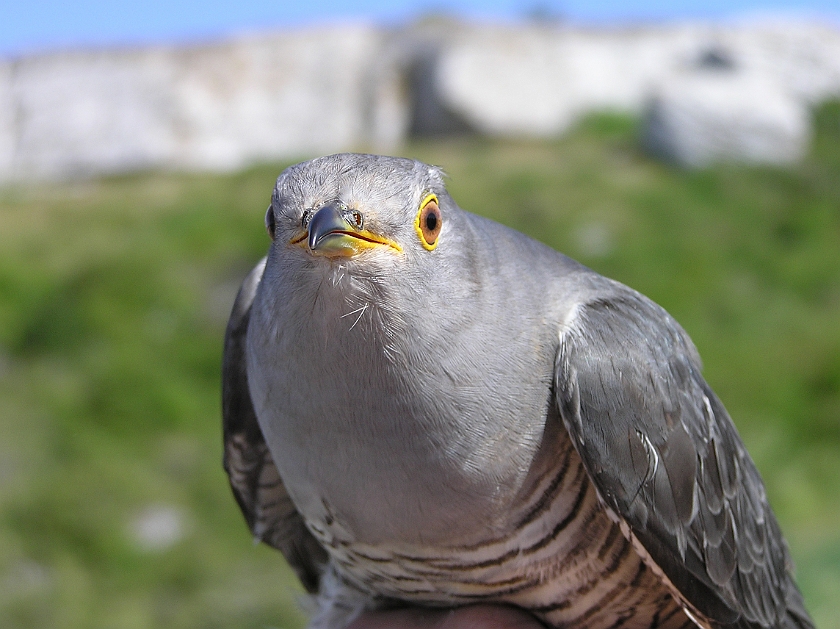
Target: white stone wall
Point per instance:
(82, 112)
(7, 121)
(295, 94)
(539, 80)
(208, 107)
(721, 117)
(287, 95)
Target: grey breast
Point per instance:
(500, 425)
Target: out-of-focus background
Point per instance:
(690, 150)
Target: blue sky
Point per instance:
(35, 25)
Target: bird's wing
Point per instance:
(666, 459)
(256, 484)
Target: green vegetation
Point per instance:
(114, 294)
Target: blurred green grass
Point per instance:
(114, 295)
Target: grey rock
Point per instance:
(717, 117)
(210, 107)
(92, 111)
(7, 119)
(539, 80)
(293, 94)
(158, 527)
(272, 97)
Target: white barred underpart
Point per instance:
(566, 561)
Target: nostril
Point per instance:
(355, 218)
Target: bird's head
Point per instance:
(352, 207)
(370, 243)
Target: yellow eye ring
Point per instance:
(428, 222)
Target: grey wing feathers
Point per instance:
(256, 484)
(665, 456)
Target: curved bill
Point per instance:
(331, 233)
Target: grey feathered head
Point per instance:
(341, 205)
(348, 225)
(454, 412)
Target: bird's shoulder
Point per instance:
(665, 457)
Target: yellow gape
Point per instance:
(428, 222)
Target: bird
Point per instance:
(423, 407)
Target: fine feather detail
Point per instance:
(664, 455)
(256, 485)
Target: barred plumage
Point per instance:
(582, 572)
(482, 421)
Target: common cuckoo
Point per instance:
(423, 407)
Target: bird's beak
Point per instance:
(331, 233)
(329, 230)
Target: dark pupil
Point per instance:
(431, 221)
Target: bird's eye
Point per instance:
(270, 222)
(305, 218)
(355, 218)
(429, 222)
